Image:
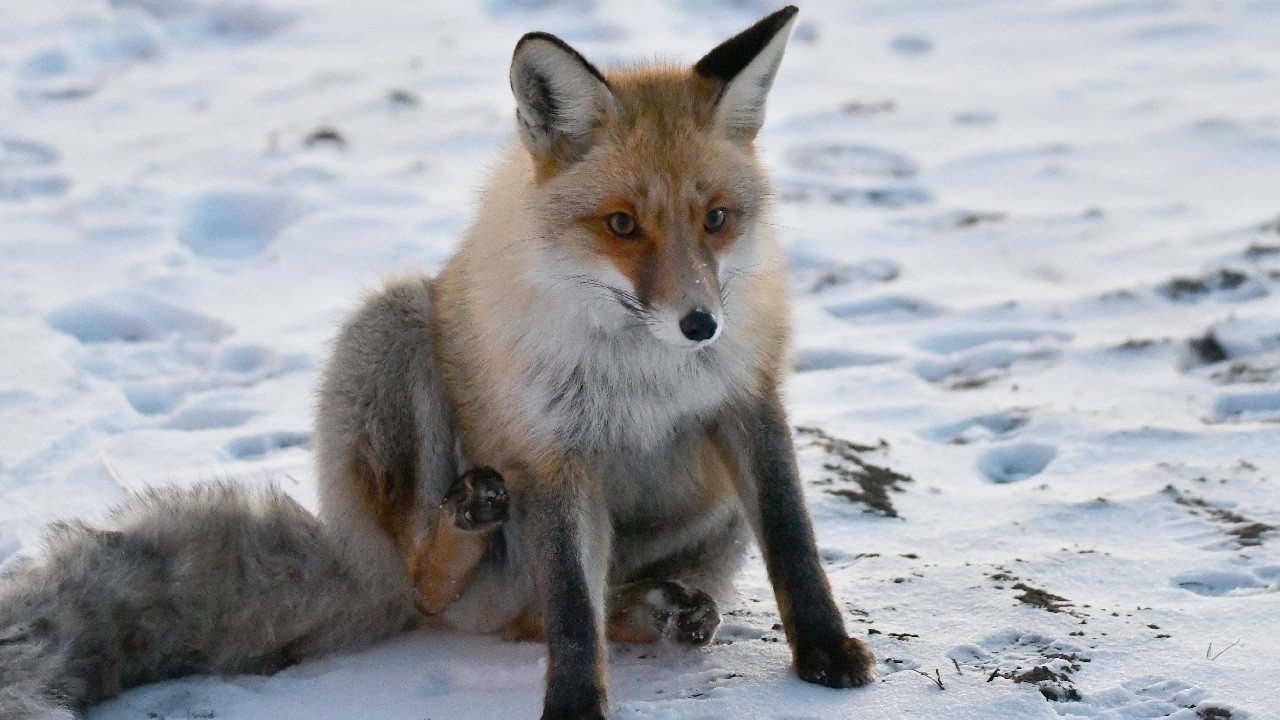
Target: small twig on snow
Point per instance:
(957, 664)
(1215, 657)
(936, 677)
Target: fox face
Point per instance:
(649, 186)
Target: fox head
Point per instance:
(647, 178)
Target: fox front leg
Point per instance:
(564, 526)
(772, 495)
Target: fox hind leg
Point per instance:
(458, 537)
(662, 610)
(644, 611)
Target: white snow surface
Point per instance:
(1036, 252)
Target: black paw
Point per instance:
(478, 499)
(845, 663)
(569, 700)
(687, 616)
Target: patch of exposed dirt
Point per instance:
(1042, 599)
(845, 466)
(1054, 686)
(1206, 349)
(1258, 251)
(1032, 659)
(325, 136)
(971, 219)
(1184, 289)
(1247, 533)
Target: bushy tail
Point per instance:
(216, 579)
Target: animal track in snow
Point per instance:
(101, 45)
(1222, 285)
(1245, 532)
(249, 447)
(980, 366)
(1218, 583)
(236, 225)
(980, 427)
(818, 274)
(132, 317)
(851, 160)
(209, 415)
(24, 170)
(837, 194)
(1248, 406)
(1016, 461)
(197, 21)
(1152, 697)
(887, 309)
(155, 397)
(951, 343)
(974, 359)
(810, 359)
(18, 153)
(1021, 657)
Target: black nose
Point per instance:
(698, 325)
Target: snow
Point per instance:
(1036, 251)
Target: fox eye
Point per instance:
(716, 220)
(622, 225)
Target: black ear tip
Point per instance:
(544, 36)
(561, 45)
(775, 20)
(724, 62)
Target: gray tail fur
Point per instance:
(215, 579)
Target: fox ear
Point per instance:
(559, 97)
(745, 65)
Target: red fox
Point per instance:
(570, 434)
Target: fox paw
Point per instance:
(478, 499)
(686, 616)
(845, 663)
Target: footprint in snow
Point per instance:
(99, 48)
(16, 153)
(1229, 583)
(950, 343)
(827, 358)
(203, 21)
(1259, 406)
(816, 274)
(977, 358)
(1236, 351)
(1224, 285)
(209, 415)
(993, 426)
(885, 310)
(156, 397)
(25, 170)
(1154, 697)
(1039, 660)
(1015, 462)
(844, 174)
(129, 317)
(236, 225)
(851, 160)
(911, 45)
(251, 447)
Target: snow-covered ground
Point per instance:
(1036, 251)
